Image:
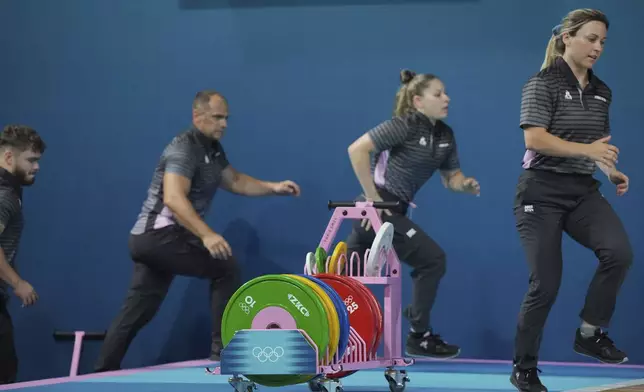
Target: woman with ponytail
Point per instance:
(392, 162)
(565, 122)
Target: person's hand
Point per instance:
(621, 180)
(26, 293)
(217, 246)
(286, 188)
(601, 151)
(470, 185)
(366, 223)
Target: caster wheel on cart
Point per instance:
(314, 386)
(397, 379)
(324, 385)
(241, 385)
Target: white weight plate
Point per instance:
(381, 245)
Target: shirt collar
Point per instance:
(421, 119)
(203, 139)
(563, 66)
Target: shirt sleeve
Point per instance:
(180, 158)
(8, 208)
(388, 134)
(536, 104)
(451, 162)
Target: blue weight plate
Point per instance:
(343, 315)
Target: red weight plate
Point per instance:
(375, 308)
(363, 317)
(377, 311)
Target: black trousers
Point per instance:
(8, 356)
(159, 256)
(547, 205)
(414, 248)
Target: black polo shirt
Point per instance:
(553, 99)
(194, 156)
(11, 220)
(409, 149)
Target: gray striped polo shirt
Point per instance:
(553, 99)
(409, 149)
(11, 221)
(195, 156)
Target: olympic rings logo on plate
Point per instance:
(244, 308)
(268, 353)
(348, 300)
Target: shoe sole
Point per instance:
(513, 382)
(583, 352)
(407, 353)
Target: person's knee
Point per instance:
(544, 291)
(439, 263)
(230, 272)
(619, 255)
(429, 261)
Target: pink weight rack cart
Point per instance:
(356, 356)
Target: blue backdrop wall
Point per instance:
(108, 84)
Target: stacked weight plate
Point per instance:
(320, 262)
(325, 306)
(365, 313)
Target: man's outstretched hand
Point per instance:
(286, 188)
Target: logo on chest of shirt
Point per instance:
(567, 95)
(207, 159)
(423, 142)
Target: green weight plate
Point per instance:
(320, 259)
(287, 293)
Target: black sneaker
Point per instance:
(430, 345)
(600, 347)
(527, 380)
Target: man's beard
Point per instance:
(22, 178)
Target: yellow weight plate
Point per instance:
(340, 248)
(332, 314)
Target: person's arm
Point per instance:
(239, 183)
(8, 208)
(180, 165)
(8, 274)
(381, 138)
(537, 111)
(538, 139)
(452, 176)
(242, 184)
(453, 179)
(607, 168)
(175, 196)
